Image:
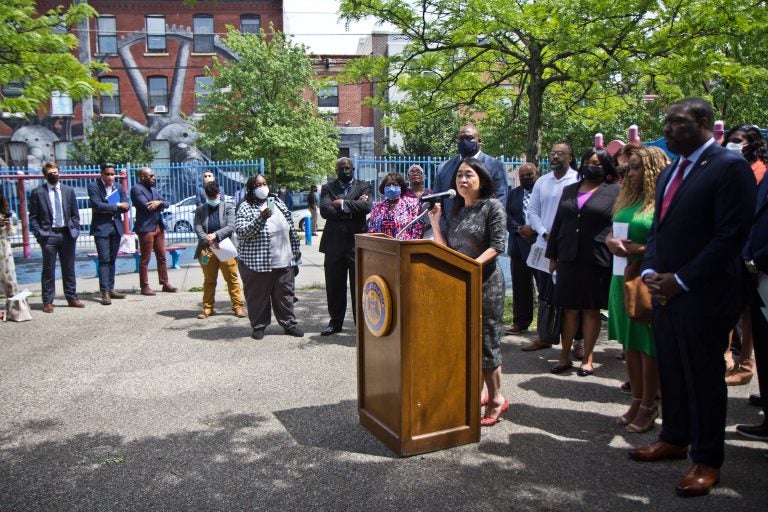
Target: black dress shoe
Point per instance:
(560, 368)
(583, 372)
(331, 329)
(757, 432)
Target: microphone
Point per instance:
(434, 197)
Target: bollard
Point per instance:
(308, 230)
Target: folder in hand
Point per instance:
(114, 197)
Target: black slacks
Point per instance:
(522, 290)
(339, 269)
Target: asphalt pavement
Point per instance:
(141, 406)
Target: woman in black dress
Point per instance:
(476, 228)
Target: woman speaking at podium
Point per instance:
(476, 224)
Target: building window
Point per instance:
(110, 103)
(203, 29)
(328, 96)
(203, 86)
(106, 26)
(155, 33)
(61, 104)
(250, 24)
(158, 94)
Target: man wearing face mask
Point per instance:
(148, 224)
(344, 203)
(55, 223)
(468, 142)
(201, 198)
(521, 238)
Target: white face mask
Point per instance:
(734, 146)
(262, 192)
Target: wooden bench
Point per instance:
(173, 250)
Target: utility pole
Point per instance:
(84, 43)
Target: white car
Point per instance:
(180, 217)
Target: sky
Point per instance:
(315, 23)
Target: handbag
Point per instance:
(550, 317)
(637, 298)
(17, 308)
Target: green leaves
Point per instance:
(109, 140)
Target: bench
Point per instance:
(173, 250)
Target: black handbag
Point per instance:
(550, 317)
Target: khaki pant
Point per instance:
(210, 276)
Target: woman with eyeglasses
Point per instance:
(395, 211)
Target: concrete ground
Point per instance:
(140, 406)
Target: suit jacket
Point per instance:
(756, 247)
(41, 212)
(341, 226)
(578, 235)
(105, 215)
(448, 168)
(147, 220)
(226, 220)
(704, 231)
(519, 247)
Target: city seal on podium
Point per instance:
(377, 306)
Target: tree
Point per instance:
(257, 108)
(35, 55)
(110, 141)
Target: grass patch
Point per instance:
(316, 285)
(196, 289)
(114, 460)
(508, 312)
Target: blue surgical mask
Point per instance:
(213, 202)
(392, 191)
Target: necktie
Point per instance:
(58, 221)
(526, 202)
(677, 180)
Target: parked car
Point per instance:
(180, 217)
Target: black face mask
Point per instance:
(467, 147)
(593, 173)
(345, 174)
(527, 183)
(52, 179)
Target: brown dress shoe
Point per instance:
(698, 481)
(75, 303)
(515, 329)
(239, 312)
(205, 314)
(535, 345)
(116, 295)
(147, 291)
(659, 450)
(47, 308)
(105, 300)
(169, 289)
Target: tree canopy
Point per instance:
(109, 140)
(36, 58)
(258, 107)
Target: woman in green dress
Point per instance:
(635, 206)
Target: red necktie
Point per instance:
(677, 180)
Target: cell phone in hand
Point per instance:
(271, 203)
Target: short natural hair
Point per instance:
(211, 189)
(48, 166)
(699, 108)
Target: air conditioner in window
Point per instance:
(160, 109)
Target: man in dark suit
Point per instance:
(344, 203)
(148, 224)
(756, 260)
(705, 201)
(521, 238)
(55, 223)
(468, 142)
(108, 203)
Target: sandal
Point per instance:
(625, 418)
(489, 421)
(653, 413)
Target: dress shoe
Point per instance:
(757, 432)
(294, 331)
(47, 308)
(205, 314)
(148, 292)
(489, 421)
(239, 312)
(660, 450)
(257, 334)
(560, 368)
(535, 345)
(755, 400)
(105, 299)
(116, 295)
(75, 303)
(331, 329)
(169, 289)
(698, 481)
(515, 329)
(583, 372)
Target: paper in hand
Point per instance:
(225, 251)
(621, 232)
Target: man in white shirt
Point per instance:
(542, 207)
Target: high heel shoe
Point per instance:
(625, 419)
(634, 428)
(489, 421)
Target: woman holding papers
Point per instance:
(477, 224)
(633, 214)
(214, 225)
(576, 251)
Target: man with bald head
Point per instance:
(521, 238)
(148, 225)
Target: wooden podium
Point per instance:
(418, 364)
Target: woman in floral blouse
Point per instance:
(395, 211)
